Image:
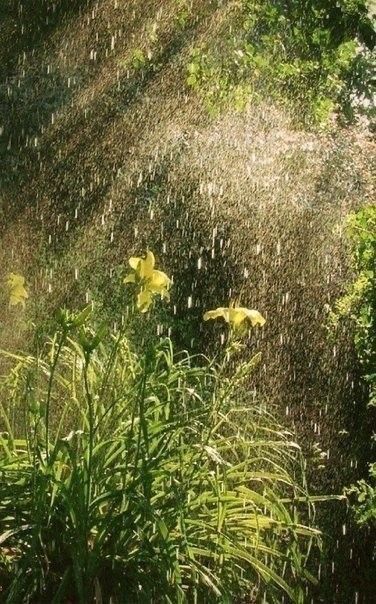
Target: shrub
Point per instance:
(364, 494)
(358, 306)
(312, 55)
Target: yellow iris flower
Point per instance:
(151, 281)
(236, 316)
(17, 291)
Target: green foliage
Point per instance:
(359, 302)
(365, 498)
(303, 52)
(358, 306)
(144, 477)
(139, 59)
(183, 12)
(219, 83)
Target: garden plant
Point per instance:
(137, 473)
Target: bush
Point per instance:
(358, 306)
(364, 494)
(316, 56)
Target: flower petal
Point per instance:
(147, 266)
(237, 316)
(255, 317)
(131, 278)
(14, 300)
(134, 262)
(158, 281)
(17, 292)
(14, 280)
(214, 314)
(144, 300)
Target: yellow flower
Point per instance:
(236, 315)
(17, 291)
(151, 281)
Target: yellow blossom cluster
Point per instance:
(151, 282)
(17, 291)
(236, 316)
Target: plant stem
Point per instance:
(143, 426)
(90, 460)
(49, 390)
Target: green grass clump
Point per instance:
(131, 473)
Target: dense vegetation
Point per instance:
(233, 137)
(145, 475)
(358, 306)
(312, 54)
